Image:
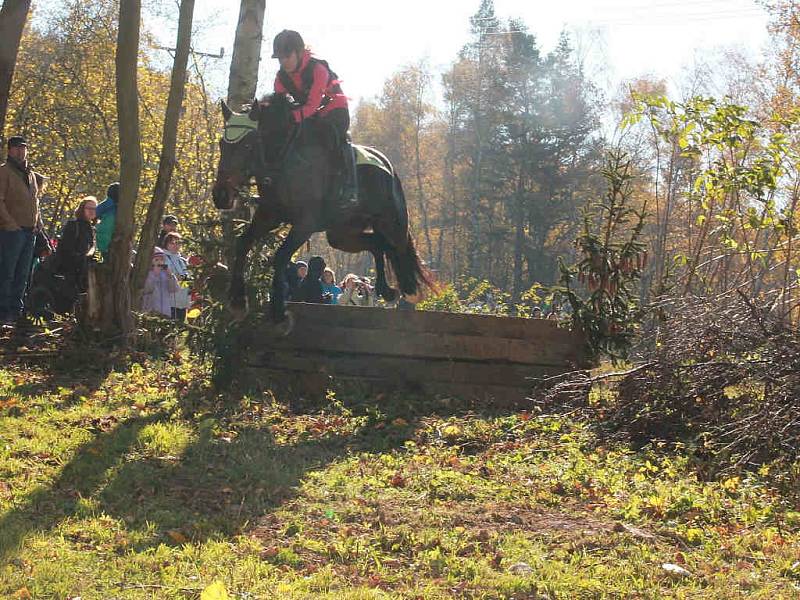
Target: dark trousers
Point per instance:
(16, 258)
(339, 121)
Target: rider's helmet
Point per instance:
(286, 42)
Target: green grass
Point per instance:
(144, 484)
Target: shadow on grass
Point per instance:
(82, 477)
(214, 489)
(220, 483)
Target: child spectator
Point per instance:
(302, 270)
(178, 266)
(160, 287)
(328, 285)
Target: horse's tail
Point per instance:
(412, 275)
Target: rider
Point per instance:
(316, 89)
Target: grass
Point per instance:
(141, 483)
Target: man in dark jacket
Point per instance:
(19, 220)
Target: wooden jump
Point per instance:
(477, 356)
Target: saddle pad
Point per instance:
(367, 156)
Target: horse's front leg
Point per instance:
(290, 245)
(263, 222)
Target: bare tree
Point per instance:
(246, 53)
(166, 165)
(117, 316)
(242, 83)
(13, 16)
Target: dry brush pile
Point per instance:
(721, 376)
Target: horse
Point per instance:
(296, 174)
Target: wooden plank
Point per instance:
(427, 321)
(541, 351)
(401, 370)
(496, 395)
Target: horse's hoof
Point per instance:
(389, 294)
(285, 327)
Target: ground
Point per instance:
(139, 482)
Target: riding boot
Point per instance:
(350, 184)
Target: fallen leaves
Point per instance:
(177, 537)
(215, 591)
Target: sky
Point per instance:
(365, 41)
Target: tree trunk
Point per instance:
(242, 83)
(120, 319)
(246, 53)
(166, 165)
(13, 16)
(519, 239)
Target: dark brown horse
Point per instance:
(298, 181)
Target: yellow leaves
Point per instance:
(694, 535)
(193, 313)
(215, 591)
(451, 431)
(732, 484)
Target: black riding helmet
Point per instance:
(286, 42)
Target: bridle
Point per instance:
(239, 126)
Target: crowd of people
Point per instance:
(40, 276)
(315, 282)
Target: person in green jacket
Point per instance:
(107, 217)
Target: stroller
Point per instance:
(53, 289)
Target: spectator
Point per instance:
(178, 266)
(59, 280)
(302, 270)
(555, 313)
(160, 287)
(168, 225)
(537, 312)
(310, 289)
(19, 221)
(77, 244)
(107, 217)
(328, 285)
(356, 292)
(292, 282)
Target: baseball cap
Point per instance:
(16, 141)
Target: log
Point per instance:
(403, 371)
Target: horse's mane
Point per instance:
(276, 99)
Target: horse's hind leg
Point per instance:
(263, 222)
(375, 244)
(290, 245)
(382, 287)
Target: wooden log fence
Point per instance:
(476, 356)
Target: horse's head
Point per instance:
(249, 139)
(237, 148)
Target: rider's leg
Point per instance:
(339, 119)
